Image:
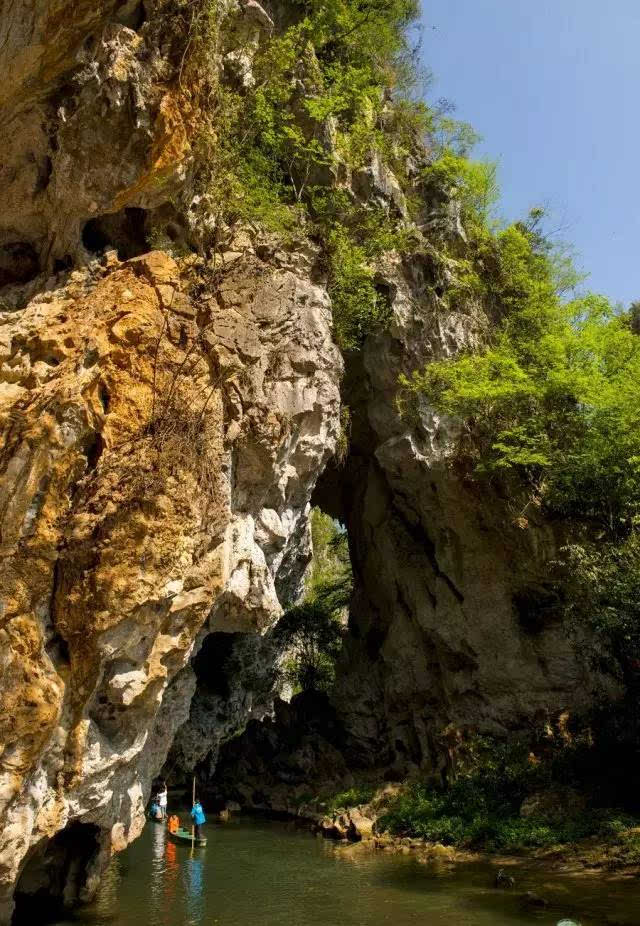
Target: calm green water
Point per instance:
(261, 873)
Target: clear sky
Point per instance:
(553, 86)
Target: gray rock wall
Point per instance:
(437, 638)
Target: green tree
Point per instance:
(548, 409)
(312, 630)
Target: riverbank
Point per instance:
(359, 829)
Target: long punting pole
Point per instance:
(193, 827)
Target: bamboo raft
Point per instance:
(184, 836)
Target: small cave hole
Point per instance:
(62, 264)
(93, 451)
(131, 14)
(18, 263)
(55, 874)
(210, 663)
(536, 607)
(104, 396)
(93, 237)
(58, 650)
(123, 231)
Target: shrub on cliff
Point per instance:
(551, 397)
(328, 95)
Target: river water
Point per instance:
(263, 873)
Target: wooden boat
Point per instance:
(156, 819)
(184, 836)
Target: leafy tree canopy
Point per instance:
(312, 630)
(551, 397)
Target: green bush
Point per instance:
(353, 797)
(473, 183)
(312, 630)
(551, 398)
(481, 808)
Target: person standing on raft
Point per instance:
(198, 817)
(162, 799)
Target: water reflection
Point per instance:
(193, 875)
(170, 884)
(156, 887)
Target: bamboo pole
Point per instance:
(193, 825)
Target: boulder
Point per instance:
(553, 804)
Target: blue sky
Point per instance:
(554, 89)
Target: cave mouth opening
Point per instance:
(124, 231)
(55, 875)
(244, 679)
(19, 263)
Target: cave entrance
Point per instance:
(55, 875)
(18, 263)
(241, 676)
(124, 231)
(236, 679)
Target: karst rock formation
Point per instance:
(165, 419)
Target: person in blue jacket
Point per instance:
(198, 817)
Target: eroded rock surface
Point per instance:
(450, 628)
(161, 426)
(157, 457)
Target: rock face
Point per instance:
(448, 626)
(161, 428)
(236, 681)
(282, 763)
(157, 457)
(92, 126)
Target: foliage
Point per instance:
(312, 630)
(331, 91)
(473, 183)
(344, 436)
(314, 635)
(481, 806)
(602, 590)
(352, 797)
(551, 398)
(355, 238)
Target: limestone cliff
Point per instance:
(162, 428)
(450, 624)
(143, 507)
(451, 632)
